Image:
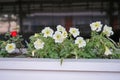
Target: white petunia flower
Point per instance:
(107, 51)
(96, 26)
(38, 44)
(47, 32)
(33, 53)
(80, 41)
(36, 35)
(107, 30)
(58, 37)
(60, 28)
(74, 31)
(65, 34)
(10, 47)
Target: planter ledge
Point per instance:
(50, 69)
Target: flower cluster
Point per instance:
(56, 44)
(102, 40)
(13, 42)
(63, 44)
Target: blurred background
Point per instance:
(31, 16)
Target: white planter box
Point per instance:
(50, 69)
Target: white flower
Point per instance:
(38, 44)
(36, 35)
(10, 47)
(96, 26)
(47, 32)
(80, 41)
(74, 31)
(60, 28)
(33, 53)
(65, 34)
(107, 51)
(107, 30)
(58, 37)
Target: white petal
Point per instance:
(107, 51)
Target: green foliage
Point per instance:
(98, 46)
(17, 40)
(52, 49)
(95, 48)
(3, 52)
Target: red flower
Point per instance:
(13, 33)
